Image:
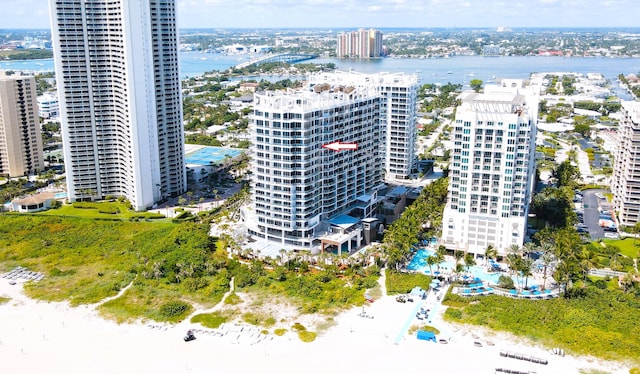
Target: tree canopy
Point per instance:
(476, 84)
(566, 174)
(555, 206)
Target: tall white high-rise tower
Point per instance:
(119, 87)
(492, 169)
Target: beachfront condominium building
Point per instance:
(20, 139)
(299, 185)
(626, 172)
(116, 65)
(399, 95)
(360, 44)
(48, 105)
(492, 169)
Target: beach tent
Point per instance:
(426, 335)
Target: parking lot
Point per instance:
(592, 204)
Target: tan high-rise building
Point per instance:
(20, 139)
(360, 44)
(625, 183)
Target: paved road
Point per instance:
(591, 214)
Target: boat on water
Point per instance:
(471, 75)
(449, 72)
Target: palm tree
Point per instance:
(438, 258)
(529, 247)
(469, 260)
(490, 253)
(588, 261)
(515, 250)
(458, 255)
(626, 282)
(547, 259)
(525, 269)
(284, 256)
(615, 261)
(563, 274)
(431, 260)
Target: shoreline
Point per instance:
(40, 335)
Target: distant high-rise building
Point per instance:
(20, 138)
(48, 106)
(399, 93)
(626, 171)
(492, 169)
(120, 100)
(360, 44)
(298, 185)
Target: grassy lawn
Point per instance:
(628, 246)
(101, 210)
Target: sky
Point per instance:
(370, 13)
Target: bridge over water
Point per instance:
(282, 57)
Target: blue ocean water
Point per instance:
(458, 69)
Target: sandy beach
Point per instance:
(53, 337)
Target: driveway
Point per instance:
(591, 203)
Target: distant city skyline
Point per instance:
(371, 13)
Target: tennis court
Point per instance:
(208, 155)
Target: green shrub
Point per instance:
(399, 283)
(457, 301)
(148, 215)
(194, 284)
(453, 313)
(601, 284)
(298, 327)
(307, 336)
(174, 309)
(251, 319)
(506, 282)
(84, 205)
(4, 300)
(430, 329)
(280, 332)
(108, 209)
(232, 299)
(210, 320)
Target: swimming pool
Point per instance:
(60, 195)
(419, 263)
(208, 155)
